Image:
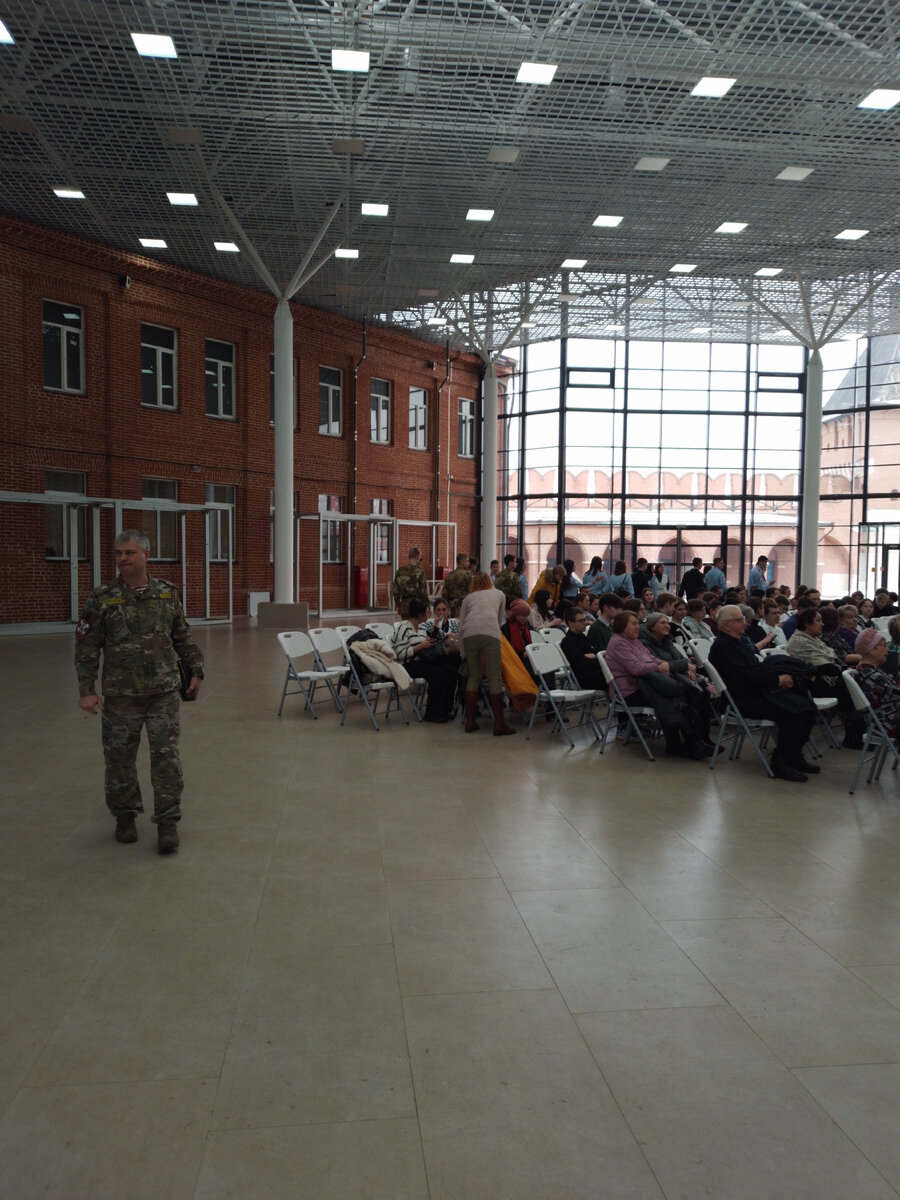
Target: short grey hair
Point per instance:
(730, 612)
(747, 612)
(134, 535)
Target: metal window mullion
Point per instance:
(206, 541)
(561, 448)
(742, 549)
(96, 579)
(71, 512)
(182, 550)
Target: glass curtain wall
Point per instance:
(665, 450)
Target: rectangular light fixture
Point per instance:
(528, 325)
(568, 297)
(769, 272)
(349, 60)
(502, 154)
(649, 163)
(68, 193)
(613, 326)
(683, 268)
(882, 98)
(607, 222)
(462, 258)
(702, 329)
(348, 146)
(480, 214)
(187, 199)
(732, 227)
(228, 247)
(346, 252)
(374, 210)
(437, 320)
(154, 45)
(713, 85)
(573, 264)
(795, 174)
(6, 38)
(850, 235)
(153, 243)
(427, 294)
(532, 72)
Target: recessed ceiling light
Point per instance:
(153, 243)
(480, 214)
(532, 72)
(574, 264)
(713, 85)
(185, 198)
(613, 326)
(651, 164)
(349, 60)
(568, 297)
(228, 247)
(739, 304)
(731, 227)
(437, 320)
(643, 302)
(68, 193)
(702, 329)
(154, 45)
(6, 38)
(462, 258)
(374, 210)
(427, 293)
(528, 325)
(346, 252)
(348, 146)
(683, 268)
(608, 222)
(769, 272)
(850, 235)
(882, 98)
(795, 174)
(502, 154)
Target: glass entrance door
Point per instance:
(676, 545)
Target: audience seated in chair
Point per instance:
(880, 689)
(601, 630)
(580, 653)
(425, 658)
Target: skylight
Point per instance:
(850, 235)
(649, 163)
(462, 258)
(374, 210)
(154, 45)
(349, 60)
(346, 252)
(183, 198)
(480, 214)
(882, 98)
(574, 264)
(713, 85)
(65, 193)
(795, 174)
(532, 72)
(153, 243)
(228, 247)
(607, 222)
(731, 227)
(702, 329)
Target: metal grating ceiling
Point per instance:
(253, 85)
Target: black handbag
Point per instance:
(187, 676)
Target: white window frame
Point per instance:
(219, 372)
(65, 333)
(418, 418)
(332, 541)
(164, 524)
(55, 512)
(332, 394)
(382, 508)
(161, 355)
(380, 412)
(466, 445)
(218, 520)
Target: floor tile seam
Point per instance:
(845, 967)
(250, 1129)
(482, 991)
(105, 1083)
(893, 1003)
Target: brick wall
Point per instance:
(107, 434)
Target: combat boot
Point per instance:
(166, 837)
(126, 830)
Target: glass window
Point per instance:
(329, 402)
(56, 516)
(219, 379)
(418, 419)
(160, 527)
(272, 388)
(158, 374)
(220, 547)
(380, 412)
(382, 508)
(63, 335)
(331, 530)
(466, 429)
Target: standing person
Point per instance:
(620, 580)
(480, 617)
(595, 578)
(409, 584)
(457, 584)
(507, 580)
(523, 578)
(660, 580)
(758, 577)
(640, 576)
(715, 576)
(568, 589)
(138, 625)
(692, 581)
(495, 568)
(550, 578)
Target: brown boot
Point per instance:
(501, 729)
(125, 828)
(166, 837)
(471, 709)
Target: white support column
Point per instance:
(812, 467)
(489, 467)
(283, 537)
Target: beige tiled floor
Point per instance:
(414, 965)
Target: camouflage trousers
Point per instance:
(122, 720)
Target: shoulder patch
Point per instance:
(113, 600)
(83, 627)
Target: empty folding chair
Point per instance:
(619, 706)
(297, 647)
(742, 727)
(546, 660)
(876, 737)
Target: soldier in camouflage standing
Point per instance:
(410, 584)
(138, 624)
(507, 580)
(457, 584)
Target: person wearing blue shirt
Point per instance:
(758, 577)
(595, 578)
(715, 576)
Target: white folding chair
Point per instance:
(700, 648)
(297, 646)
(730, 714)
(554, 634)
(546, 659)
(537, 635)
(876, 737)
(881, 623)
(619, 706)
(366, 689)
(383, 628)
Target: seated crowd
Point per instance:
(655, 643)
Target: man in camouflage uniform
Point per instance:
(457, 584)
(410, 584)
(507, 580)
(138, 624)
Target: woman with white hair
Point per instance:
(882, 692)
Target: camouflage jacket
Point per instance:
(141, 636)
(409, 584)
(456, 588)
(507, 582)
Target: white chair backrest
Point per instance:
(714, 677)
(607, 673)
(345, 631)
(326, 641)
(555, 633)
(773, 650)
(537, 635)
(857, 695)
(545, 658)
(881, 623)
(295, 644)
(700, 649)
(382, 628)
